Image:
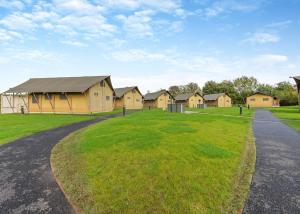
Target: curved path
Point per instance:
(27, 184)
(275, 186)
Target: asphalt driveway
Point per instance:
(27, 184)
(276, 183)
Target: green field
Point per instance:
(14, 126)
(233, 111)
(158, 162)
(290, 115)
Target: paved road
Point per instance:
(26, 181)
(276, 183)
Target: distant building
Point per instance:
(191, 100)
(159, 99)
(217, 100)
(261, 99)
(67, 94)
(128, 97)
(297, 80)
(13, 103)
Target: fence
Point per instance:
(176, 108)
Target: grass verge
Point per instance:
(14, 126)
(290, 115)
(157, 162)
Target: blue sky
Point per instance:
(149, 43)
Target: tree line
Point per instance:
(240, 88)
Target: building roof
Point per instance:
(59, 84)
(185, 96)
(121, 91)
(154, 95)
(212, 97)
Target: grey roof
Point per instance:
(121, 91)
(186, 96)
(154, 95)
(212, 97)
(297, 78)
(59, 84)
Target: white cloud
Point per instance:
(271, 59)
(166, 6)
(74, 43)
(227, 6)
(138, 24)
(7, 36)
(12, 4)
(134, 55)
(18, 21)
(77, 6)
(279, 24)
(262, 38)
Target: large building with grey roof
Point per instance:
(128, 97)
(89, 94)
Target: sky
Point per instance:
(149, 43)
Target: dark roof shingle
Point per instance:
(185, 96)
(154, 95)
(121, 91)
(212, 97)
(59, 84)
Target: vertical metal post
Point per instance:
(241, 110)
(124, 111)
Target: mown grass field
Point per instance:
(233, 111)
(14, 126)
(158, 162)
(290, 115)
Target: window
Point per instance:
(265, 99)
(133, 91)
(102, 83)
(62, 97)
(35, 99)
(252, 99)
(96, 94)
(160, 99)
(128, 98)
(48, 96)
(107, 98)
(137, 100)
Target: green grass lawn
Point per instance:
(233, 111)
(289, 115)
(158, 162)
(14, 126)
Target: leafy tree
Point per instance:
(210, 87)
(174, 90)
(287, 93)
(191, 88)
(227, 87)
(245, 86)
(265, 88)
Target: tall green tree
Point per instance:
(191, 88)
(210, 87)
(245, 86)
(287, 93)
(227, 86)
(265, 88)
(174, 90)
